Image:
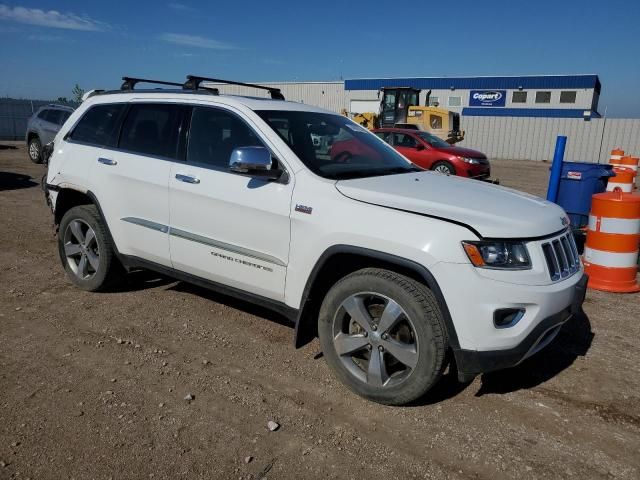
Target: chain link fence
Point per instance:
(14, 114)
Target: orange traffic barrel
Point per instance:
(635, 167)
(623, 179)
(620, 160)
(616, 154)
(625, 161)
(611, 249)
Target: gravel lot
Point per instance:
(93, 385)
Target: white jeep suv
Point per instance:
(399, 271)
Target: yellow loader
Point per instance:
(400, 107)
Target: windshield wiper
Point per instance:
(394, 170)
(374, 173)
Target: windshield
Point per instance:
(433, 140)
(332, 146)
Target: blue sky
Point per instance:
(48, 46)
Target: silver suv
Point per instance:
(42, 128)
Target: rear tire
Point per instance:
(444, 167)
(86, 250)
(383, 335)
(34, 148)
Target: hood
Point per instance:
(491, 210)
(463, 152)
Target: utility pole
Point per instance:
(604, 125)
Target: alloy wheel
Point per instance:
(375, 339)
(81, 249)
(443, 169)
(34, 151)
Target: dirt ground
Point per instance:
(93, 385)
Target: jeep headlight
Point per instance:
(498, 254)
(472, 161)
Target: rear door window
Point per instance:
(54, 116)
(43, 114)
(99, 125)
(152, 129)
(65, 114)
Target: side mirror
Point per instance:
(254, 162)
(420, 147)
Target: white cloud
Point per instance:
(50, 18)
(186, 55)
(181, 6)
(45, 38)
(195, 41)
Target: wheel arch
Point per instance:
(66, 199)
(442, 160)
(31, 135)
(340, 260)
(73, 198)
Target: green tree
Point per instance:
(77, 93)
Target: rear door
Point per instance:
(50, 125)
(41, 125)
(96, 130)
(225, 227)
(131, 181)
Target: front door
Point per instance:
(407, 146)
(225, 227)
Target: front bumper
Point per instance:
(478, 171)
(473, 362)
(482, 176)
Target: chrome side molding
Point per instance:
(204, 240)
(147, 224)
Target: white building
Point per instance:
(550, 96)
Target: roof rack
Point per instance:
(193, 83)
(130, 82)
(91, 93)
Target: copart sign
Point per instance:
(487, 98)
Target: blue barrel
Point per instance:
(578, 183)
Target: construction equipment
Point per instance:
(366, 119)
(400, 107)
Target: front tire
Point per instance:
(383, 335)
(35, 150)
(86, 251)
(444, 167)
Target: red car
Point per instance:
(432, 153)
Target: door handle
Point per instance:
(107, 161)
(187, 178)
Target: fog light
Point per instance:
(507, 317)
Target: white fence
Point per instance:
(534, 138)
